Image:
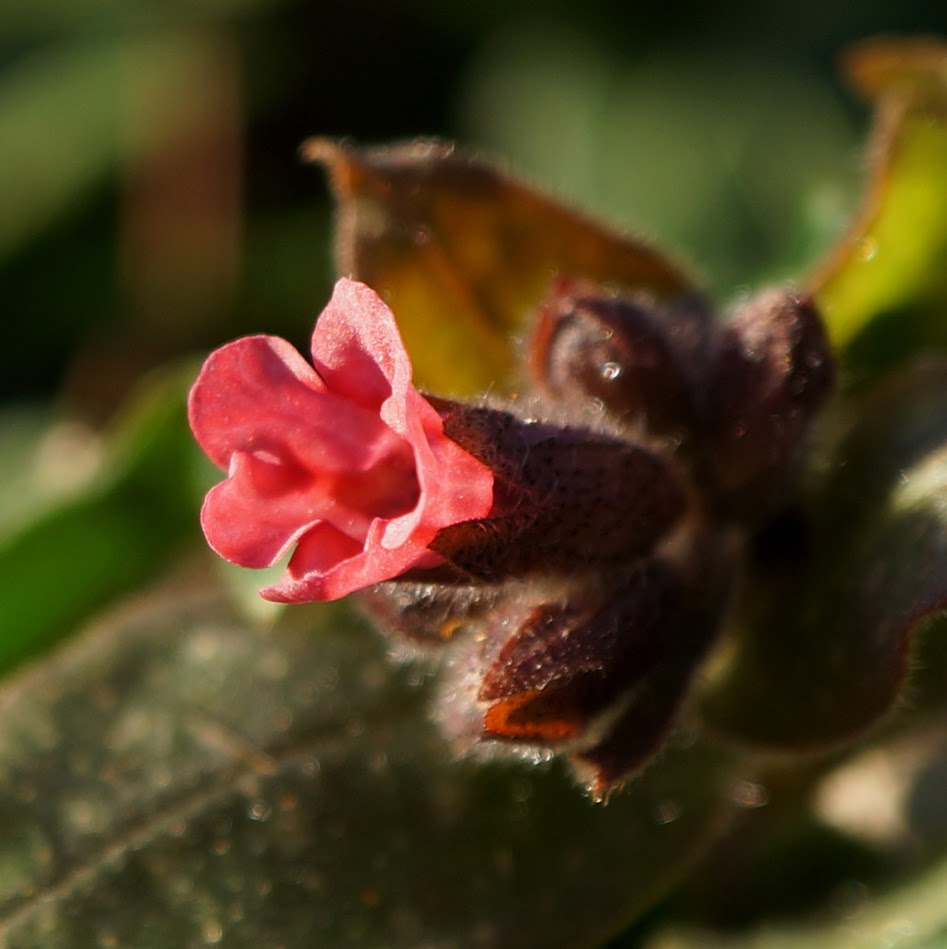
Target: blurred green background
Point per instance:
(153, 202)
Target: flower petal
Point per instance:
(246, 388)
(455, 486)
(357, 349)
(327, 565)
(247, 527)
(258, 394)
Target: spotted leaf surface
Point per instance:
(176, 778)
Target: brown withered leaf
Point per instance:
(824, 649)
(914, 68)
(463, 253)
(888, 274)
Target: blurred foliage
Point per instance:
(876, 568)
(93, 535)
(883, 289)
(324, 812)
(154, 204)
(722, 133)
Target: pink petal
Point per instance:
(326, 566)
(321, 550)
(458, 486)
(357, 349)
(258, 394)
(455, 486)
(254, 527)
(244, 387)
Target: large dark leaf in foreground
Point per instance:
(824, 650)
(463, 254)
(174, 778)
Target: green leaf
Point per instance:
(887, 278)
(103, 541)
(175, 777)
(463, 254)
(824, 643)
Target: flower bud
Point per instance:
(564, 498)
(627, 352)
(692, 610)
(771, 371)
(596, 672)
(567, 662)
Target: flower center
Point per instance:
(381, 482)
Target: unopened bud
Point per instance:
(627, 352)
(772, 370)
(568, 662)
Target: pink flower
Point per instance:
(347, 461)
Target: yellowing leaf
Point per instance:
(463, 254)
(894, 258)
